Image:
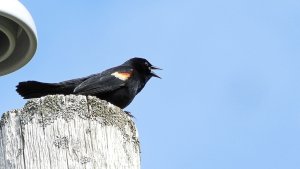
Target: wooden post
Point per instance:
(68, 132)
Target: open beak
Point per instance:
(155, 68)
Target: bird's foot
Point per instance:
(129, 114)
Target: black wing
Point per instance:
(102, 83)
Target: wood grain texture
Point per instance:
(68, 132)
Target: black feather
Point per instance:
(34, 89)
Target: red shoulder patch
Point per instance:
(122, 75)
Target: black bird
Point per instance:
(118, 85)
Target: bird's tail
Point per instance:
(34, 89)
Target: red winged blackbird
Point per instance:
(117, 85)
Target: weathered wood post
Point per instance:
(68, 132)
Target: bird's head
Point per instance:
(144, 67)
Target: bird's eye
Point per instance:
(146, 64)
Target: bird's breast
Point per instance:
(121, 97)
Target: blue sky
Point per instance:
(229, 97)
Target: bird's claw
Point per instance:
(129, 114)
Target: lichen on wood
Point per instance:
(69, 132)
